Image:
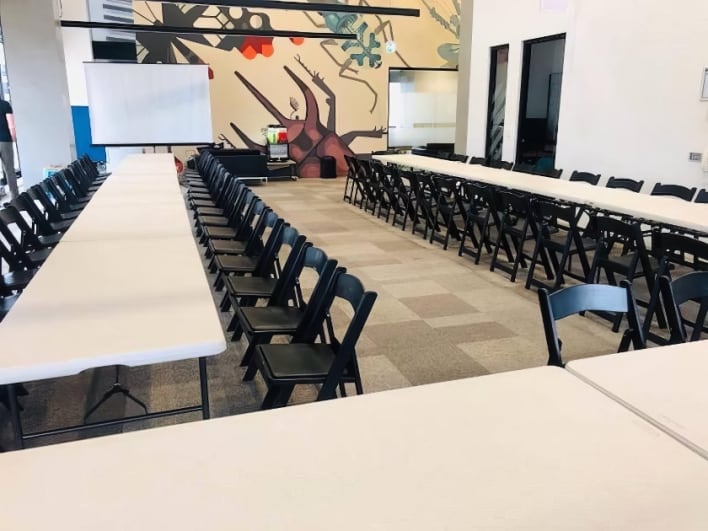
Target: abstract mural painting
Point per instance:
(309, 138)
(351, 56)
(447, 14)
(330, 94)
(161, 48)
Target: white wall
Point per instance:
(497, 22)
(38, 85)
(463, 78)
(631, 81)
(630, 102)
(77, 49)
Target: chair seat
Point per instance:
(203, 203)
(270, 319)
(38, 257)
(228, 263)
(16, 280)
(219, 233)
(6, 303)
(49, 241)
(60, 226)
(250, 286)
(214, 221)
(200, 196)
(210, 211)
(68, 216)
(299, 361)
(227, 247)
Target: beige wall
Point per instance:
(341, 106)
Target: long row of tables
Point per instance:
(662, 210)
(532, 449)
(125, 286)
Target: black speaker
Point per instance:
(115, 50)
(328, 167)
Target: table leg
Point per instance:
(15, 417)
(204, 383)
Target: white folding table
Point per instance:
(663, 210)
(534, 449)
(665, 385)
(125, 286)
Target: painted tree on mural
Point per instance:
(309, 138)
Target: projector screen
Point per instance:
(154, 104)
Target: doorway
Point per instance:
(497, 102)
(539, 108)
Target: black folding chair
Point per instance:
(331, 364)
(675, 293)
(582, 298)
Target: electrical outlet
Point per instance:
(695, 157)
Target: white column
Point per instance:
(38, 85)
(463, 79)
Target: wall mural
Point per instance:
(330, 94)
(447, 13)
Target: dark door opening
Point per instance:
(497, 102)
(539, 107)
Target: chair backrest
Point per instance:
(13, 219)
(318, 304)
(610, 230)
(500, 164)
(702, 196)
(525, 168)
(350, 289)
(585, 177)
(545, 211)
(553, 173)
(266, 218)
(625, 184)
(477, 160)
(25, 203)
(284, 289)
(587, 297)
(670, 247)
(509, 201)
(690, 287)
(20, 260)
(674, 190)
(267, 262)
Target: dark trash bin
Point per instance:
(328, 167)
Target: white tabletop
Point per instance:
(150, 162)
(133, 220)
(124, 286)
(101, 303)
(668, 210)
(535, 449)
(665, 385)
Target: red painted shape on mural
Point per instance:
(310, 138)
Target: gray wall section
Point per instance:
(38, 85)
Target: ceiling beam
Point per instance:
(161, 28)
(335, 7)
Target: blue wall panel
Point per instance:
(82, 134)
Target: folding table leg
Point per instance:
(204, 384)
